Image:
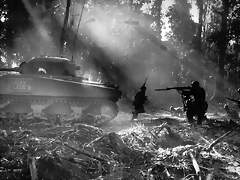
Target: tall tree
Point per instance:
(181, 23)
(223, 42)
(223, 37)
(3, 13)
(17, 15)
(200, 25)
(65, 23)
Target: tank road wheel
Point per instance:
(56, 112)
(108, 110)
(15, 112)
(100, 113)
(17, 107)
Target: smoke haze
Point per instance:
(116, 44)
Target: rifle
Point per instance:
(184, 97)
(176, 88)
(233, 100)
(144, 83)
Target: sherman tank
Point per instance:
(50, 87)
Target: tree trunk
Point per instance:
(223, 41)
(200, 25)
(62, 37)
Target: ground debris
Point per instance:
(143, 151)
(113, 146)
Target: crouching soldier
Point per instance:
(197, 106)
(194, 101)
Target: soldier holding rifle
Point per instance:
(139, 101)
(194, 101)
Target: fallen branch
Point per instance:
(163, 125)
(189, 175)
(154, 136)
(134, 135)
(218, 140)
(72, 160)
(205, 140)
(33, 168)
(85, 153)
(195, 164)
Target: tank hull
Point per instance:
(55, 87)
(48, 95)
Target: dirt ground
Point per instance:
(160, 145)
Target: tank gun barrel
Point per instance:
(10, 69)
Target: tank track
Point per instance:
(84, 110)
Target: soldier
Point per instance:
(194, 101)
(197, 106)
(139, 101)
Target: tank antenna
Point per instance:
(75, 36)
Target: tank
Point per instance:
(50, 87)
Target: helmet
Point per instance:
(143, 88)
(195, 84)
